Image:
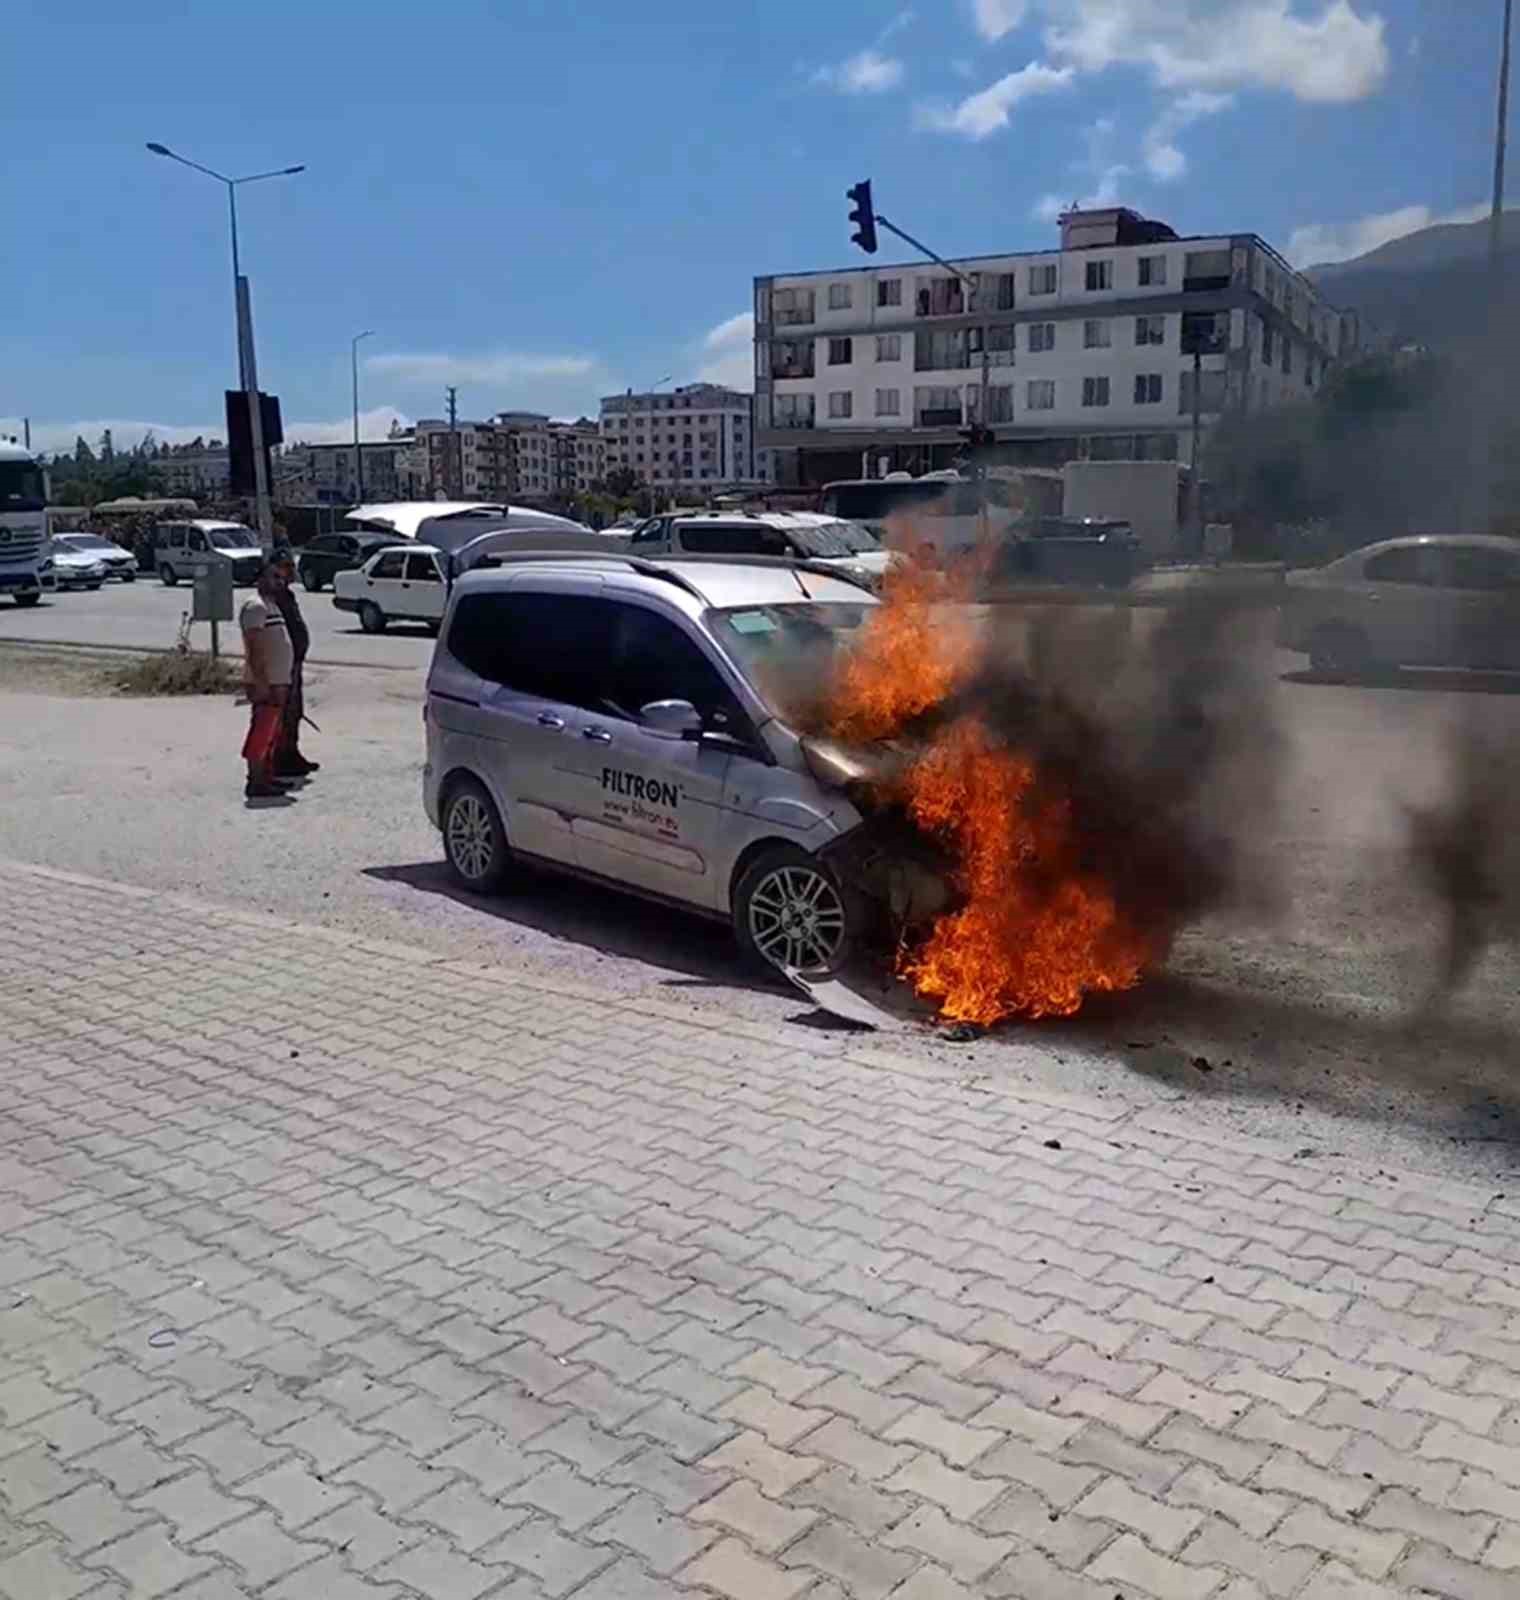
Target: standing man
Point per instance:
(268, 665)
(288, 760)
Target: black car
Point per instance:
(323, 558)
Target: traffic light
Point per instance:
(863, 216)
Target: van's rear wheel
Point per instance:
(168, 574)
(790, 911)
(474, 838)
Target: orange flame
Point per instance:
(1035, 932)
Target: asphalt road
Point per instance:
(146, 616)
(1302, 1023)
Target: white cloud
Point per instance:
(994, 18)
(1163, 160)
(373, 424)
(1317, 50)
(1320, 243)
(981, 114)
(728, 352)
(1106, 193)
(501, 367)
(869, 72)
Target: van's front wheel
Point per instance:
(791, 912)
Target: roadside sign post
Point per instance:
(212, 598)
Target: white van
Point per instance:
(180, 547)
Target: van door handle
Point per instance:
(547, 719)
(596, 735)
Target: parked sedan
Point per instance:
(72, 569)
(118, 563)
(397, 584)
(1440, 600)
(323, 558)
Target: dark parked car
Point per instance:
(323, 558)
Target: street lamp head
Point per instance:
(160, 149)
(290, 172)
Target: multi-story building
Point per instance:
(324, 474)
(698, 437)
(578, 454)
(1083, 352)
(200, 474)
(525, 456)
(450, 462)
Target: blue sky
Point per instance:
(543, 201)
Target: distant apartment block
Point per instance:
(325, 474)
(698, 437)
(198, 474)
(1088, 350)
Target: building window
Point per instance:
(1042, 278)
(1147, 388)
(940, 297)
(1287, 356)
(889, 291)
(1096, 334)
(889, 347)
(999, 341)
(994, 292)
(1152, 271)
(792, 358)
(1041, 394)
(1266, 343)
(793, 410)
(1100, 276)
(1042, 337)
(999, 403)
(839, 297)
(937, 407)
(941, 351)
(1150, 330)
(1095, 391)
(841, 352)
(841, 404)
(888, 403)
(791, 306)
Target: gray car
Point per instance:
(1433, 600)
(624, 720)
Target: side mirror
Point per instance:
(676, 719)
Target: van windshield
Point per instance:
(787, 652)
(233, 539)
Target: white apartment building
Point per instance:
(698, 437)
(444, 463)
(325, 473)
(1088, 350)
(198, 474)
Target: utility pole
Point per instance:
(358, 456)
(456, 454)
(1488, 429)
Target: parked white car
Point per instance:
(403, 583)
(850, 547)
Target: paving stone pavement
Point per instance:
(335, 1272)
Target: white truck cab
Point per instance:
(24, 568)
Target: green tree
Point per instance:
(84, 456)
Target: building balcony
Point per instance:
(791, 423)
(793, 318)
(940, 417)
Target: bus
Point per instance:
(23, 524)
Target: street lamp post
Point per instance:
(353, 346)
(248, 375)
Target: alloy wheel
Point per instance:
(797, 919)
(471, 842)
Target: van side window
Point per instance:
(733, 539)
(549, 647)
(653, 659)
(197, 539)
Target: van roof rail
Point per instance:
(657, 567)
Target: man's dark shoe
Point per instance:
(266, 791)
(300, 767)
